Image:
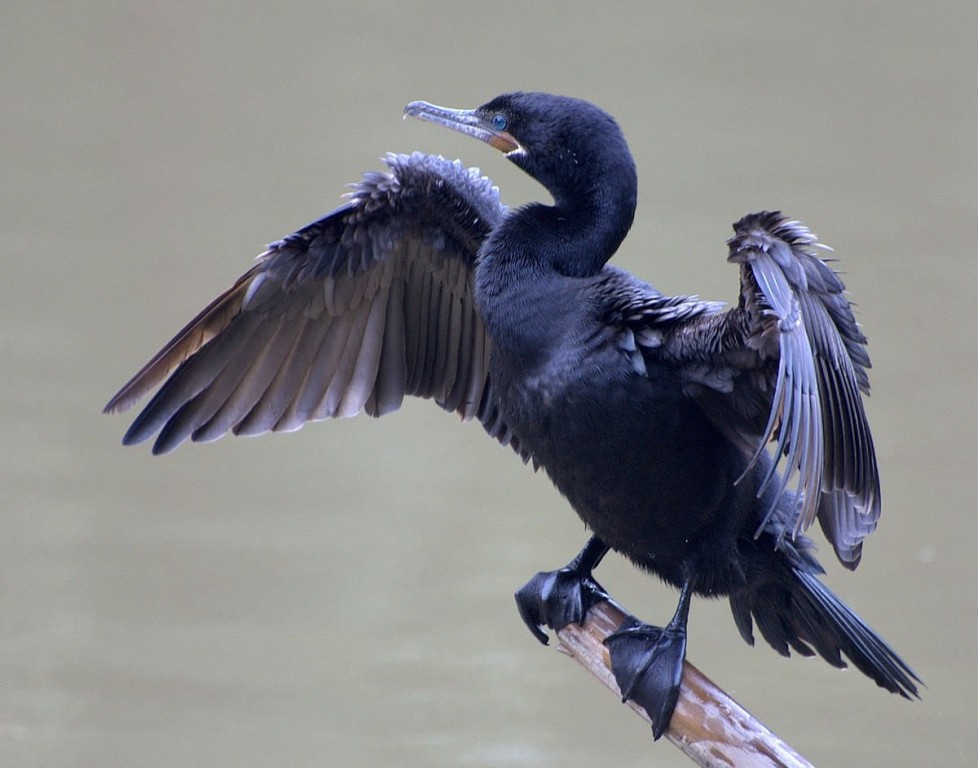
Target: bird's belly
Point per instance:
(636, 459)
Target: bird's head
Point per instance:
(570, 146)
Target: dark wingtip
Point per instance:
(137, 433)
(144, 426)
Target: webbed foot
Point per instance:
(557, 598)
(648, 665)
(648, 661)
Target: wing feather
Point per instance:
(358, 309)
(787, 367)
(266, 414)
(817, 415)
(250, 386)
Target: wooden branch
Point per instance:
(707, 725)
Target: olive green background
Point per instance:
(342, 596)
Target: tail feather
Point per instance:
(856, 639)
(801, 613)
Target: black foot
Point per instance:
(648, 665)
(557, 598)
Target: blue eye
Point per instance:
(499, 122)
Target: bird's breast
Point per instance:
(639, 464)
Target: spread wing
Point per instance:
(352, 312)
(788, 364)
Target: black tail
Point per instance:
(795, 610)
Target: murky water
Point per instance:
(343, 595)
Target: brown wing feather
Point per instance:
(210, 321)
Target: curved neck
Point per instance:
(577, 235)
(521, 285)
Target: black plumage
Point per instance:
(652, 414)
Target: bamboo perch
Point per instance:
(707, 725)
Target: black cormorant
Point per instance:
(652, 414)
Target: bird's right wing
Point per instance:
(370, 303)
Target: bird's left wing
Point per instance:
(352, 312)
(787, 364)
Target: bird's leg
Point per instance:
(557, 598)
(648, 662)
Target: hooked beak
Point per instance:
(467, 121)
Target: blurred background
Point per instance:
(343, 595)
